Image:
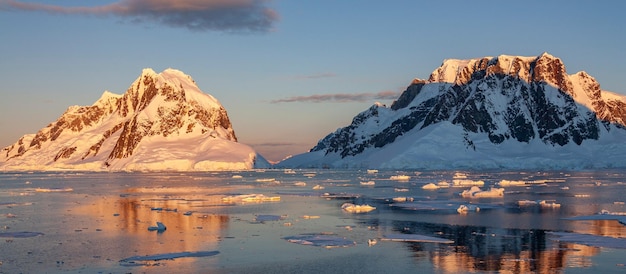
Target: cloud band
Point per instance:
(340, 97)
(196, 15)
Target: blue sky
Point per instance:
(266, 60)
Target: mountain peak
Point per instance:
(162, 122)
(507, 111)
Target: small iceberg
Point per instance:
(318, 187)
(300, 183)
(542, 203)
(352, 208)
(372, 171)
(476, 192)
(160, 227)
(467, 182)
(463, 209)
(368, 183)
(323, 240)
(430, 186)
(237, 177)
(141, 260)
(400, 177)
(415, 238)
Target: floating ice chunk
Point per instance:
(368, 183)
(467, 182)
(400, 177)
(542, 203)
(310, 217)
(414, 238)
(402, 199)
(323, 240)
(476, 192)
(352, 208)
(443, 184)
(266, 180)
(237, 177)
(54, 189)
(430, 186)
(372, 242)
(20, 234)
(466, 208)
(160, 227)
(309, 175)
(590, 240)
(318, 187)
(249, 198)
(401, 189)
(299, 183)
(137, 260)
(268, 218)
(372, 171)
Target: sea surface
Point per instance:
(292, 221)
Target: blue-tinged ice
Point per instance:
(415, 238)
(20, 234)
(141, 260)
(160, 227)
(268, 218)
(323, 240)
(589, 239)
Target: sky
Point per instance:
(287, 72)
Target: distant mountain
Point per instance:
(494, 112)
(162, 122)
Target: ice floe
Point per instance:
(352, 208)
(20, 234)
(143, 260)
(415, 238)
(318, 187)
(602, 215)
(55, 189)
(268, 218)
(430, 186)
(250, 198)
(368, 183)
(589, 239)
(476, 192)
(323, 240)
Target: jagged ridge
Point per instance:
(167, 106)
(505, 98)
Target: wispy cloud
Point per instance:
(340, 97)
(196, 15)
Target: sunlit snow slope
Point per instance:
(494, 112)
(162, 122)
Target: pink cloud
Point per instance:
(197, 15)
(340, 97)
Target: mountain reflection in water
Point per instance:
(105, 218)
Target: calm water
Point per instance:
(97, 222)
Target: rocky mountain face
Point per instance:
(493, 99)
(164, 108)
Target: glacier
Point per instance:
(504, 112)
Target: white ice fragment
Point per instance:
(323, 240)
(476, 192)
(352, 208)
(300, 183)
(430, 186)
(66, 189)
(368, 183)
(466, 208)
(372, 171)
(132, 261)
(466, 182)
(249, 198)
(318, 187)
(237, 177)
(400, 177)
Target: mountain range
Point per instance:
(510, 112)
(162, 122)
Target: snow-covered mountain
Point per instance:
(509, 112)
(162, 122)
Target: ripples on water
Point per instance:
(263, 221)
